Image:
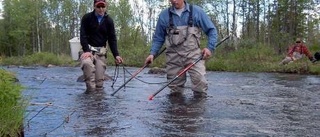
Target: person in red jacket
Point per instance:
(297, 51)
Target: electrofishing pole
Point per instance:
(184, 70)
(136, 73)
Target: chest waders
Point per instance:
(183, 47)
(94, 69)
(183, 40)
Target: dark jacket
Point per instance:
(96, 35)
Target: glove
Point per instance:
(312, 59)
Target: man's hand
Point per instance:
(149, 59)
(86, 55)
(119, 60)
(312, 59)
(206, 53)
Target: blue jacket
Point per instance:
(200, 19)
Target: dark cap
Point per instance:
(99, 2)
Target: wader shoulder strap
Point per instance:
(190, 16)
(190, 21)
(170, 19)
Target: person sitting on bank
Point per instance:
(296, 52)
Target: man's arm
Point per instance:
(83, 34)
(112, 38)
(306, 51)
(207, 26)
(159, 34)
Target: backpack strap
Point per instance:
(190, 22)
(170, 19)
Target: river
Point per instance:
(238, 105)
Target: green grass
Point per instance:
(135, 57)
(40, 59)
(258, 58)
(11, 105)
(248, 57)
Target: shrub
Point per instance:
(11, 104)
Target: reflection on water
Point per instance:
(240, 105)
(94, 115)
(182, 116)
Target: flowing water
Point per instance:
(238, 105)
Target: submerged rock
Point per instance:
(157, 70)
(106, 77)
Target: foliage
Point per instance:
(257, 58)
(41, 59)
(11, 105)
(136, 56)
(248, 57)
(49, 24)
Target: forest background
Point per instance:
(37, 32)
(266, 26)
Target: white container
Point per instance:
(75, 47)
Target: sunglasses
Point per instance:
(101, 7)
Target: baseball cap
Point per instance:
(99, 2)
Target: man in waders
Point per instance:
(296, 52)
(96, 29)
(179, 28)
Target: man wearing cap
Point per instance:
(97, 28)
(296, 51)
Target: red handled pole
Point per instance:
(136, 73)
(184, 70)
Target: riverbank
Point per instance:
(246, 59)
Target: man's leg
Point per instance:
(88, 69)
(100, 70)
(286, 60)
(199, 82)
(174, 67)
